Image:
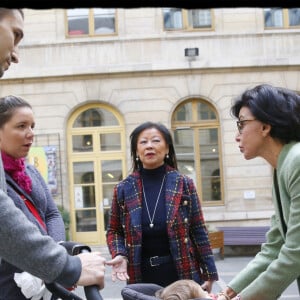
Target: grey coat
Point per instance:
(41, 198)
(22, 244)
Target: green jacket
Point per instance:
(277, 265)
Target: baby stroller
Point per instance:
(143, 291)
(138, 291)
(59, 292)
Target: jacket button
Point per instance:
(185, 240)
(185, 220)
(185, 202)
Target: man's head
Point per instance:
(11, 33)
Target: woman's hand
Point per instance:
(221, 297)
(228, 294)
(207, 286)
(119, 268)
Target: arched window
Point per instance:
(196, 131)
(96, 150)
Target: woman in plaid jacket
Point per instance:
(157, 232)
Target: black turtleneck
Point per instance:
(155, 240)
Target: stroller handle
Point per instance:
(91, 292)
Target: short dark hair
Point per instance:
(170, 160)
(8, 105)
(276, 106)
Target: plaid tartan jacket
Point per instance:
(188, 237)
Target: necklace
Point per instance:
(154, 211)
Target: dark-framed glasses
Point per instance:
(240, 124)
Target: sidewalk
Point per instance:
(227, 268)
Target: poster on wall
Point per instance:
(45, 160)
(78, 197)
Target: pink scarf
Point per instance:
(15, 167)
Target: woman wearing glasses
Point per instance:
(269, 127)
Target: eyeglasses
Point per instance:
(240, 124)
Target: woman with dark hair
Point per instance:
(170, 159)
(269, 127)
(25, 185)
(157, 232)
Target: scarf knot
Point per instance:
(15, 167)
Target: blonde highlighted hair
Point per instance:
(182, 289)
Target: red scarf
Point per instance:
(15, 167)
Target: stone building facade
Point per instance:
(89, 91)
